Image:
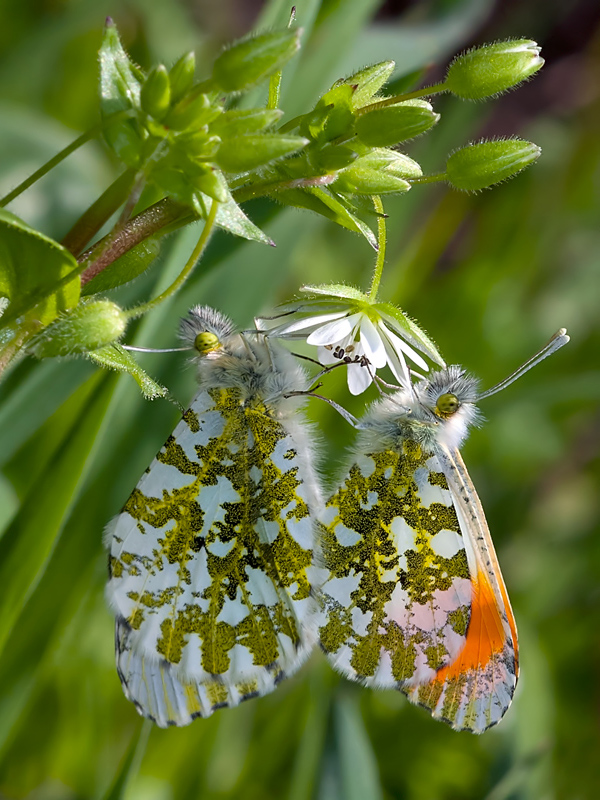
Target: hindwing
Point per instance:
(211, 562)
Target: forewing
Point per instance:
(475, 690)
(397, 599)
(210, 563)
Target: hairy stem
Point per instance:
(381, 240)
(186, 271)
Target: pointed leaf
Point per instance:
(116, 357)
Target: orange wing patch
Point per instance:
(473, 692)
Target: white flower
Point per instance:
(352, 337)
(370, 345)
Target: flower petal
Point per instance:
(333, 332)
(372, 344)
(399, 345)
(292, 328)
(397, 363)
(359, 378)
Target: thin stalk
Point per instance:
(185, 272)
(441, 176)
(275, 79)
(381, 240)
(90, 222)
(400, 98)
(55, 160)
(13, 347)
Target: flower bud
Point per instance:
(250, 61)
(478, 166)
(387, 126)
(494, 68)
(378, 172)
(193, 111)
(368, 82)
(239, 121)
(181, 76)
(88, 326)
(241, 153)
(155, 95)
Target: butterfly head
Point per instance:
(446, 404)
(205, 330)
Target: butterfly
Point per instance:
(212, 560)
(415, 599)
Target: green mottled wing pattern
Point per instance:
(211, 562)
(399, 593)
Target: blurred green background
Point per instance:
(490, 276)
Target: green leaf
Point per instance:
(30, 266)
(333, 208)
(231, 218)
(116, 357)
(29, 541)
(334, 291)
(124, 269)
(242, 153)
(120, 86)
(357, 763)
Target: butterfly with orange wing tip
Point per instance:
(415, 599)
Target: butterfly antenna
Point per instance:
(559, 339)
(156, 349)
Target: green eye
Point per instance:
(447, 404)
(205, 342)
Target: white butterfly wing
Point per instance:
(212, 562)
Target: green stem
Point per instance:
(13, 347)
(185, 272)
(381, 240)
(260, 189)
(166, 213)
(275, 79)
(274, 90)
(90, 222)
(441, 176)
(85, 137)
(400, 98)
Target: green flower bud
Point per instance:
(242, 153)
(155, 95)
(387, 126)
(368, 82)
(213, 183)
(236, 122)
(378, 172)
(193, 111)
(250, 61)
(478, 166)
(181, 75)
(89, 326)
(333, 157)
(494, 68)
(198, 144)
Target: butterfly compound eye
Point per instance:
(205, 342)
(447, 404)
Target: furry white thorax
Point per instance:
(411, 414)
(258, 367)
